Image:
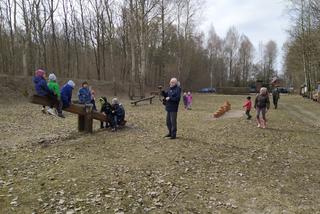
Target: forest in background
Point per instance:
(302, 50)
(139, 42)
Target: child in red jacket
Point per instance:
(248, 106)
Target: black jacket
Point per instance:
(106, 107)
(174, 93)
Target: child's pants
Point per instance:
(262, 111)
(248, 114)
(55, 102)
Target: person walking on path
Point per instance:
(262, 104)
(248, 105)
(172, 97)
(275, 97)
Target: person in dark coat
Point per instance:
(262, 104)
(66, 93)
(275, 97)
(172, 97)
(106, 109)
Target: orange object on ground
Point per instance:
(222, 110)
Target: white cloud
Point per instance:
(260, 20)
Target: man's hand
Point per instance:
(167, 98)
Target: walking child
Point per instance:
(185, 100)
(248, 105)
(262, 104)
(189, 97)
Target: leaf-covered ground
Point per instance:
(215, 166)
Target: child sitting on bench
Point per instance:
(43, 90)
(84, 94)
(118, 113)
(106, 109)
(66, 93)
(54, 87)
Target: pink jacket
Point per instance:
(189, 98)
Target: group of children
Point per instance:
(187, 100)
(261, 104)
(61, 99)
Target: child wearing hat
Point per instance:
(40, 85)
(54, 87)
(118, 113)
(106, 109)
(84, 94)
(42, 89)
(66, 93)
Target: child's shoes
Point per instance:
(51, 111)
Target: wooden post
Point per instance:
(88, 121)
(81, 123)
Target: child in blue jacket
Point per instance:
(66, 93)
(84, 94)
(42, 89)
(118, 113)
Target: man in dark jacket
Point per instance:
(172, 97)
(275, 96)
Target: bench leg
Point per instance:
(81, 123)
(88, 124)
(85, 124)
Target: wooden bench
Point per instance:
(144, 99)
(85, 113)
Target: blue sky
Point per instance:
(260, 20)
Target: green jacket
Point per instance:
(53, 86)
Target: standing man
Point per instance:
(172, 97)
(275, 96)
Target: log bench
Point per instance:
(85, 113)
(144, 99)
